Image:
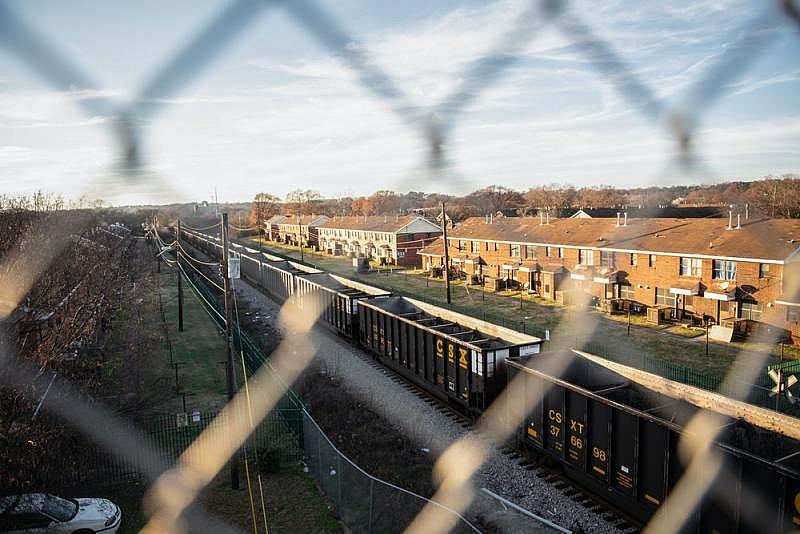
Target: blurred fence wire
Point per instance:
(175, 487)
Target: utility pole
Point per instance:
(226, 286)
(300, 235)
(180, 278)
(446, 255)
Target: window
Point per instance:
(652, 261)
(547, 251)
(607, 259)
(664, 297)
(560, 252)
(793, 313)
(763, 270)
(476, 247)
(627, 292)
(462, 245)
(515, 251)
(585, 256)
(750, 310)
(691, 267)
(496, 246)
(634, 259)
(724, 270)
(530, 251)
(688, 300)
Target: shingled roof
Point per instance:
(765, 239)
(375, 223)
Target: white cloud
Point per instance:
(309, 122)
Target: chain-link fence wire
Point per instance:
(364, 503)
(175, 490)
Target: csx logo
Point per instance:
(554, 416)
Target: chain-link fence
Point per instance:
(364, 502)
(28, 262)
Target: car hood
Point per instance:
(95, 509)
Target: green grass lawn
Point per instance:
(533, 315)
(199, 349)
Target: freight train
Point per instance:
(454, 357)
(613, 436)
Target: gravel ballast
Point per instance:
(433, 430)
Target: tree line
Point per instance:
(771, 196)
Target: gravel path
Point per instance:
(433, 430)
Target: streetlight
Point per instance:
(526, 317)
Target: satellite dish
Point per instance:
(724, 285)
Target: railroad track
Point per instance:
(551, 475)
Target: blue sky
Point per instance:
(278, 111)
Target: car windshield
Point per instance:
(58, 508)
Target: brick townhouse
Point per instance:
(725, 271)
(389, 239)
(271, 231)
(295, 229)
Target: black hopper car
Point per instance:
(455, 357)
(620, 440)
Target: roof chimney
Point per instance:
(548, 218)
(626, 219)
(730, 220)
(491, 218)
(618, 214)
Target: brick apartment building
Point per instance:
(296, 229)
(716, 270)
(271, 231)
(389, 239)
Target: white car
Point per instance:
(41, 512)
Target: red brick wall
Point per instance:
(664, 274)
(417, 241)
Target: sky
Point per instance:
(278, 108)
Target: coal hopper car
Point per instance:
(454, 357)
(620, 439)
(334, 300)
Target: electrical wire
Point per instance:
(191, 258)
(201, 229)
(198, 271)
(243, 229)
(208, 307)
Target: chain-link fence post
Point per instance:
(371, 489)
